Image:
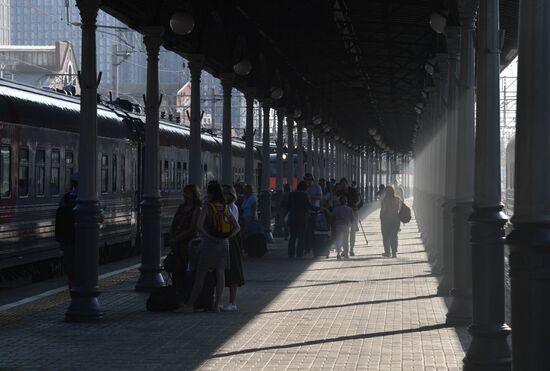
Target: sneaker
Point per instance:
(338, 257)
(387, 255)
(229, 308)
(351, 253)
(394, 255)
(345, 256)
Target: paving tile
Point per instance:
(366, 313)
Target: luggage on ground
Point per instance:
(321, 236)
(255, 243)
(163, 299)
(321, 243)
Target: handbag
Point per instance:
(172, 263)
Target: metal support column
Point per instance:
(460, 311)
(227, 155)
(316, 165)
(300, 148)
(489, 349)
(84, 305)
(290, 145)
(530, 239)
(150, 277)
(309, 167)
(249, 139)
(265, 196)
(195, 154)
(278, 194)
(453, 49)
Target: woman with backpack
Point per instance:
(216, 225)
(390, 221)
(234, 277)
(183, 230)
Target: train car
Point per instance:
(510, 163)
(39, 137)
(273, 170)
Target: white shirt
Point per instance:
(234, 210)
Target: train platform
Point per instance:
(365, 313)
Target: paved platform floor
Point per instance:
(366, 313)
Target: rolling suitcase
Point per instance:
(255, 243)
(321, 236)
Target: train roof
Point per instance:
(27, 105)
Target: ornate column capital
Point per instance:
(196, 63)
(249, 94)
(152, 39)
(452, 37)
(88, 12)
(467, 10)
(227, 80)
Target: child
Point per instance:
(344, 218)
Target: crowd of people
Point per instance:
(207, 233)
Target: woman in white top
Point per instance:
(234, 277)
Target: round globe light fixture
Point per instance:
(243, 68)
(182, 23)
(277, 93)
(372, 131)
(317, 119)
(438, 21)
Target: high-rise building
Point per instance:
(119, 49)
(4, 22)
(43, 22)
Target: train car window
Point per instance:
(161, 175)
(133, 174)
(166, 175)
(69, 169)
(55, 172)
(178, 175)
(40, 173)
(172, 175)
(114, 177)
(5, 171)
(184, 180)
(104, 173)
(23, 186)
(122, 174)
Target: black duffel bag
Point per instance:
(163, 299)
(405, 213)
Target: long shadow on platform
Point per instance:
(403, 278)
(371, 302)
(369, 266)
(334, 339)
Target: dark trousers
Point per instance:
(297, 231)
(389, 236)
(309, 229)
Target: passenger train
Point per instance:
(39, 135)
(510, 171)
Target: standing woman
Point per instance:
(248, 207)
(389, 219)
(213, 255)
(234, 277)
(183, 230)
(298, 208)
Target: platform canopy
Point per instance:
(358, 64)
